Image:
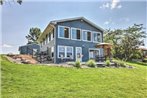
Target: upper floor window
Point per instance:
(86, 35)
(63, 32)
(75, 33)
(97, 36)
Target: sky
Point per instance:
(16, 20)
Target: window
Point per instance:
(76, 33)
(97, 37)
(86, 35)
(63, 32)
(61, 51)
(52, 51)
(89, 36)
(69, 52)
(46, 39)
(65, 52)
(51, 36)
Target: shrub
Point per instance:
(77, 64)
(107, 62)
(91, 63)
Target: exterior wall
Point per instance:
(48, 45)
(74, 43)
(26, 49)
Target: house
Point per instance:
(30, 49)
(71, 39)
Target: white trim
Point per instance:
(100, 37)
(93, 49)
(76, 53)
(80, 33)
(86, 38)
(65, 51)
(59, 31)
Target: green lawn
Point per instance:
(29, 81)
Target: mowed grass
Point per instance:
(30, 81)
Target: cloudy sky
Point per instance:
(18, 19)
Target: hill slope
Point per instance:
(29, 81)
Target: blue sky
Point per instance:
(18, 19)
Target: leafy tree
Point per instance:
(125, 41)
(33, 35)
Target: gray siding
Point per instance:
(27, 49)
(48, 45)
(84, 44)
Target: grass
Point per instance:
(29, 81)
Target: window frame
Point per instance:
(100, 37)
(64, 32)
(76, 34)
(65, 51)
(87, 36)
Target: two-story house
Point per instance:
(71, 39)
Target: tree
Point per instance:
(18, 1)
(33, 35)
(125, 41)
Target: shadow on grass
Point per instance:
(140, 63)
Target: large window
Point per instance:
(65, 52)
(75, 33)
(61, 51)
(86, 36)
(69, 52)
(97, 37)
(63, 32)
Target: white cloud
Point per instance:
(106, 5)
(112, 5)
(119, 6)
(6, 46)
(108, 22)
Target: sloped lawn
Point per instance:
(30, 81)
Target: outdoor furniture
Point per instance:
(107, 50)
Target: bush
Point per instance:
(77, 64)
(120, 63)
(107, 62)
(91, 63)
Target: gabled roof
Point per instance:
(77, 18)
(65, 20)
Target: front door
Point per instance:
(78, 53)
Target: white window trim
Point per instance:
(100, 37)
(93, 49)
(91, 35)
(65, 52)
(76, 53)
(59, 31)
(80, 34)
